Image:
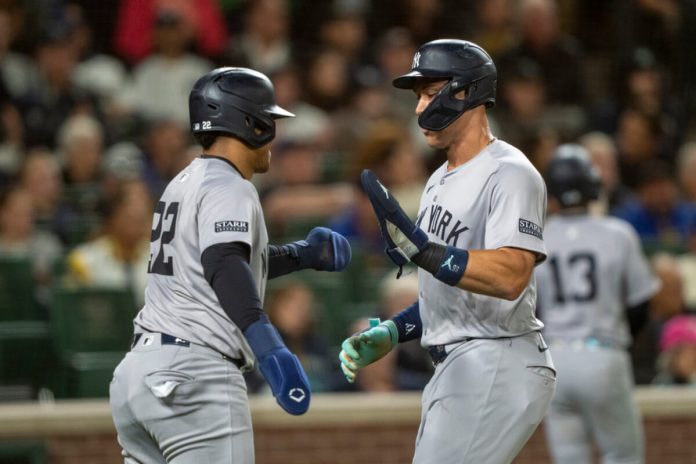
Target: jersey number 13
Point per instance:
(583, 266)
(159, 237)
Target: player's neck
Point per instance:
(475, 136)
(235, 152)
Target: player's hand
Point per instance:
(367, 347)
(403, 237)
(281, 368)
(324, 250)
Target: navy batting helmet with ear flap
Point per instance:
(465, 66)
(571, 178)
(236, 101)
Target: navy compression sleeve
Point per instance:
(282, 260)
(226, 268)
(638, 316)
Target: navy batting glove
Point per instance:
(323, 250)
(403, 237)
(281, 369)
(408, 242)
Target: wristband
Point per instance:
(445, 263)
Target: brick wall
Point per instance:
(339, 431)
(669, 441)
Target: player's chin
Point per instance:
(432, 139)
(263, 162)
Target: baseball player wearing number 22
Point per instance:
(179, 395)
(476, 240)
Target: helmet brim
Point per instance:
(277, 112)
(408, 81)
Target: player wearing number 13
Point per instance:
(179, 395)
(593, 293)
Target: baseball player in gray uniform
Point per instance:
(476, 240)
(594, 290)
(179, 395)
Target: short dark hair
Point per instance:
(206, 139)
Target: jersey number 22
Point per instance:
(159, 237)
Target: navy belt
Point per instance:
(438, 353)
(166, 339)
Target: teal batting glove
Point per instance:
(367, 347)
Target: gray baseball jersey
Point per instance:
(594, 271)
(495, 200)
(220, 206)
(501, 381)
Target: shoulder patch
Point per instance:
(530, 228)
(232, 226)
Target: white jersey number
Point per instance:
(159, 237)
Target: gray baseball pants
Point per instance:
(485, 400)
(180, 405)
(594, 403)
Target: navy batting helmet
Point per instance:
(570, 176)
(236, 101)
(466, 66)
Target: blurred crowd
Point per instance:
(94, 123)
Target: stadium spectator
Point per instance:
(98, 74)
(264, 43)
(40, 175)
(495, 29)
(118, 257)
(310, 123)
(558, 56)
(524, 116)
(137, 21)
(292, 309)
(387, 149)
(662, 219)
(393, 56)
(328, 80)
(344, 29)
(160, 84)
(19, 237)
(640, 140)
(686, 170)
(295, 192)
(677, 361)
(80, 146)
(17, 71)
(165, 145)
(668, 302)
(603, 154)
(54, 97)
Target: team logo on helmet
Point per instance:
(416, 60)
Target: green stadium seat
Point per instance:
(92, 329)
(26, 358)
(23, 452)
(17, 300)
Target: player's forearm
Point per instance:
(501, 273)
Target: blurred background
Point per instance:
(94, 123)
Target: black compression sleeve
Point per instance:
(226, 268)
(282, 259)
(638, 316)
